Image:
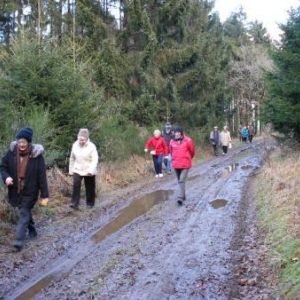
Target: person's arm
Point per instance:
(94, 162)
(6, 176)
(71, 161)
(42, 178)
(191, 148)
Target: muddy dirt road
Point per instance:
(144, 246)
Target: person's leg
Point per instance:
(31, 227)
(225, 149)
(24, 215)
(90, 186)
(154, 157)
(181, 185)
(169, 166)
(76, 190)
(215, 150)
(159, 164)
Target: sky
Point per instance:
(268, 12)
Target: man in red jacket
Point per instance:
(182, 150)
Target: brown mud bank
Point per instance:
(147, 247)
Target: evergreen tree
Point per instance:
(282, 108)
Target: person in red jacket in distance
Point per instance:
(158, 150)
(182, 150)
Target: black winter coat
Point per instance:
(35, 180)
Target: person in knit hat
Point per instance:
(23, 170)
(83, 165)
(182, 150)
(167, 135)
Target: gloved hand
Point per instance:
(146, 150)
(43, 202)
(152, 152)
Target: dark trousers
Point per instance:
(25, 222)
(250, 138)
(90, 186)
(225, 148)
(215, 147)
(157, 162)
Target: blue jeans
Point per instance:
(167, 162)
(157, 162)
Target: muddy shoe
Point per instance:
(18, 244)
(73, 206)
(32, 233)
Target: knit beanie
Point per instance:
(25, 133)
(178, 129)
(84, 132)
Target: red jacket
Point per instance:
(182, 152)
(159, 145)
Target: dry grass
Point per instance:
(279, 217)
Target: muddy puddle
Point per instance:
(229, 170)
(136, 208)
(218, 203)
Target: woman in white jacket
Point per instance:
(225, 139)
(83, 165)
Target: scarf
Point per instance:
(22, 161)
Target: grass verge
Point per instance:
(278, 197)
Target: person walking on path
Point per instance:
(245, 134)
(83, 165)
(23, 170)
(251, 132)
(167, 135)
(158, 149)
(215, 139)
(182, 150)
(225, 140)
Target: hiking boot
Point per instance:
(73, 206)
(18, 244)
(32, 233)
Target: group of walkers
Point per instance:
(23, 170)
(246, 133)
(222, 139)
(176, 150)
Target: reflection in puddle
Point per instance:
(229, 170)
(218, 203)
(246, 167)
(136, 208)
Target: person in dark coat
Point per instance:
(167, 135)
(23, 170)
(215, 139)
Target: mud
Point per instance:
(139, 244)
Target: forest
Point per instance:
(124, 67)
